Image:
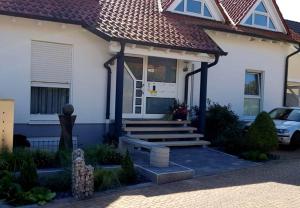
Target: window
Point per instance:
(293, 94)
(48, 100)
(260, 18)
(161, 70)
(252, 100)
(194, 7)
(51, 74)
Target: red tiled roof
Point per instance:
(237, 9)
(136, 21)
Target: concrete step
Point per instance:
(158, 129)
(154, 122)
(166, 136)
(183, 143)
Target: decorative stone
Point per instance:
(82, 176)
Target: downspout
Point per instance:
(107, 65)
(286, 72)
(187, 76)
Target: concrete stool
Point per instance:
(159, 157)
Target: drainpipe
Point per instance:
(203, 90)
(107, 65)
(286, 72)
(187, 76)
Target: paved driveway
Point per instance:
(275, 184)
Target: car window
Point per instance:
(285, 114)
(294, 116)
(280, 113)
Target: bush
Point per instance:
(28, 173)
(20, 141)
(39, 195)
(63, 158)
(102, 154)
(44, 159)
(106, 179)
(223, 127)
(8, 187)
(60, 182)
(261, 135)
(110, 139)
(127, 173)
(255, 156)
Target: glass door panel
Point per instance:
(161, 85)
(133, 87)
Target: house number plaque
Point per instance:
(6, 124)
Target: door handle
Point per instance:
(153, 88)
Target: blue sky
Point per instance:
(290, 9)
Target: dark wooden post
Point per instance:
(203, 97)
(119, 92)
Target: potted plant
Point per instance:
(179, 111)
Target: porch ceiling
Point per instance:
(133, 49)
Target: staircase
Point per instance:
(167, 133)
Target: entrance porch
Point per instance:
(148, 82)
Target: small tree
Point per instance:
(261, 135)
(28, 173)
(128, 174)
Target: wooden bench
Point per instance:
(159, 154)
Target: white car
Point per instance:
(287, 122)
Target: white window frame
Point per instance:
(260, 90)
(193, 13)
(263, 14)
(48, 118)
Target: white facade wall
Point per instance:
(294, 68)
(88, 88)
(226, 80)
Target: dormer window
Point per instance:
(194, 7)
(260, 18)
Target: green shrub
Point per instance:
(39, 195)
(261, 135)
(60, 182)
(106, 179)
(63, 158)
(223, 127)
(10, 191)
(28, 173)
(44, 159)
(102, 154)
(13, 161)
(255, 156)
(220, 121)
(127, 173)
(110, 139)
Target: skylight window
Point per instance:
(194, 7)
(260, 18)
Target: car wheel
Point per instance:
(295, 140)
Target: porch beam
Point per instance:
(119, 92)
(203, 97)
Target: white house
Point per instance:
(56, 52)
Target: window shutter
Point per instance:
(51, 62)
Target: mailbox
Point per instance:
(6, 124)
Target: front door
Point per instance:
(150, 86)
(160, 86)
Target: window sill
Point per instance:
(43, 119)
